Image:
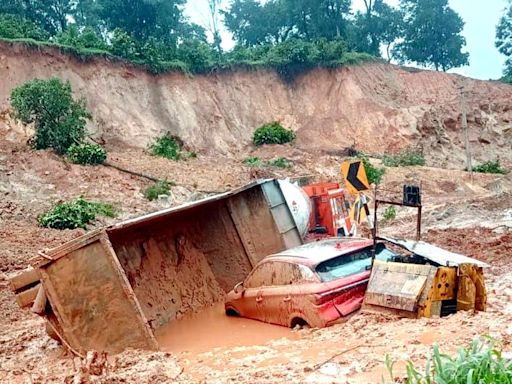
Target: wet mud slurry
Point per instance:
(211, 328)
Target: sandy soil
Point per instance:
(469, 216)
(377, 107)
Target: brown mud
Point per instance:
(211, 329)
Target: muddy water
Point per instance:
(211, 328)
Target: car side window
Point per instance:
(261, 277)
(280, 273)
(287, 274)
(308, 276)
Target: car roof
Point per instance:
(316, 252)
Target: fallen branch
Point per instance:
(182, 369)
(316, 366)
(144, 176)
(133, 173)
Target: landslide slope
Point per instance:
(376, 107)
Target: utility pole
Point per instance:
(464, 122)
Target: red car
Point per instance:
(315, 284)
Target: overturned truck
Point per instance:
(114, 287)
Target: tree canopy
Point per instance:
(504, 40)
(432, 35)
(158, 34)
(58, 119)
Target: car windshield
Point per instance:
(383, 253)
(345, 265)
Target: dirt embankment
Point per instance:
(377, 107)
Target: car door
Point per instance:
(285, 297)
(253, 303)
(275, 295)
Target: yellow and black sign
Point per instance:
(355, 176)
(359, 212)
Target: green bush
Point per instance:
(198, 56)
(123, 45)
(389, 214)
(373, 174)
(167, 146)
(14, 27)
(58, 119)
(87, 154)
(479, 364)
(272, 133)
(162, 187)
(405, 158)
(75, 214)
(292, 57)
(490, 167)
(280, 162)
(253, 161)
(81, 38)
(152, 53)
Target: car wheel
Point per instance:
(232, 312)
(298, 322)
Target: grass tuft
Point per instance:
(491, 167)
(162, 187)
(481, 363)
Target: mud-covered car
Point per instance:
(315, 284)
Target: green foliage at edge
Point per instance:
(156, 64)
(373, 173)
(74, 214)
(480, 363)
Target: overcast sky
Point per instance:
(481, 18)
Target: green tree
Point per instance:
(253, 23)
(274, 21)
(123, 45)
(198, 55)
(15, 27)
(50, 15)
(87, 14)
(504, 40)
(391, 28)
(314, 19)
(380, 24)
(214, 8)
(58, 119)
(142, 19)
(432, 35)
(81, 38)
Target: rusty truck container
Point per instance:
(115, 287)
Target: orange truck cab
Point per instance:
(329, 216)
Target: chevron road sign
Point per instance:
(355, 176)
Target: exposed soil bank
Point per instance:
(377, 107)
